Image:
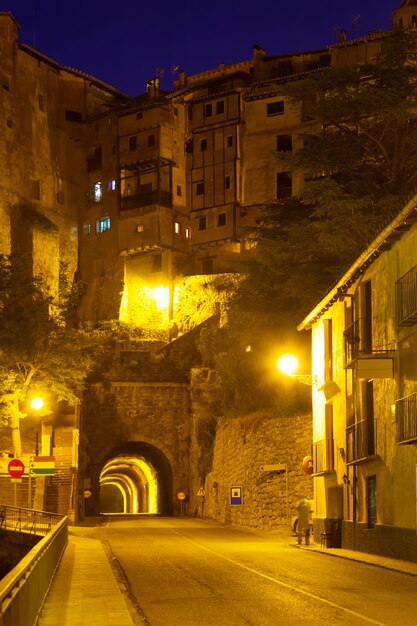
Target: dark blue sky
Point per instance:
(125, 43)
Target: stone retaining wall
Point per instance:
(243, 447)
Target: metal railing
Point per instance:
(365, 440)
(23, 590)
(406, 418)
(323, 459)
(406, 298)
(27, 520)
(146, 198)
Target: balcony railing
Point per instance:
(146, 198)
(352, 339)
(323, 458)
(406, 298)
(360, 441)
(406, 418)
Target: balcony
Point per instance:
(359, 354)
(146, 198)
(406, 298)
(323, 459)
(365, 441)
(406, 418)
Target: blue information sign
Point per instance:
(236, 495)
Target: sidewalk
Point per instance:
(363, 557)
(84, 591)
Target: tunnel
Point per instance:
(136, 478)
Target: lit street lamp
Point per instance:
(37, 404)
(288, 364)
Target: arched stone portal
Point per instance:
(136, 477)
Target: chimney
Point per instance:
(258, 52)
(152, 88)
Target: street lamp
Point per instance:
(288, 364)
(37, 404)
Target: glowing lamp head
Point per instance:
(288, 364)
(36, 404)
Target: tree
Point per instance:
(39, 353)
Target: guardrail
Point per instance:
(23, 590)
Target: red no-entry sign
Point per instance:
(16, 468)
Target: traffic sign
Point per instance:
(236, 495)
(16, 468)
(181, 496)
(43, 465)
(201, 492)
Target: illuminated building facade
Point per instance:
(364, 356)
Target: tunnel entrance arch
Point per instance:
(136, 477)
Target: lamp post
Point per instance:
(36, 404)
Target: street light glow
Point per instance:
(288, 364)
(36, 403)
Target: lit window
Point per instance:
(102, 224)
(177, 228)
(86, 228)
(98, 191)
(139, 228)
(188, 233)
(112, 185)
(199, 189)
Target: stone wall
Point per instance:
(243, 447)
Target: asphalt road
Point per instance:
(192, 572)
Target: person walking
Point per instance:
(303, 526)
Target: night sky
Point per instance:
(127, 43)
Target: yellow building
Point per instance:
(364, 366)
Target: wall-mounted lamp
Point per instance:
(288, 365)
(345, 479)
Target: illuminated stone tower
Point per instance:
(405, 15)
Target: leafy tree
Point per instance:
(39, 353)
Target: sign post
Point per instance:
(16, 469)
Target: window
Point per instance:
(73, 116)
(221, 219)
(157, 263)
(177, 228)
(203, 145)
(275, 108)
(111, 186)
(139, 115)
(188, 232)
(102, 224)
(202, 223)
(179, 190)
(207, 266)
(220, 107)
(371, 500)
(328, 350)
(366, 317)
(227, 182)
(151, 141)
(229, 141)
(133, 142)
(175, 110)
(41, 102)
(406, 298)
(208, 111)
(35, 189)
(284, 143)
(284, 185)
(139, 228)
(199, 189)
(86, 228)
(97, 191)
